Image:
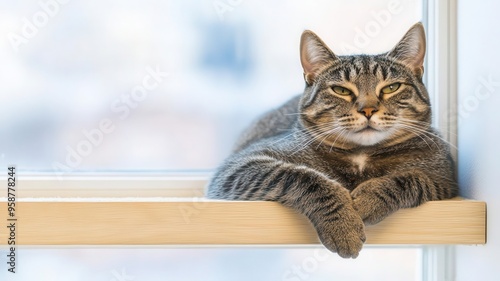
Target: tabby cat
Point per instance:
(355, 147)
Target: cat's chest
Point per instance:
(359, 162)
(355, 168)
(359, 168)
(356, 164)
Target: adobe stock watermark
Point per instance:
(309, 265)
(482, 92)
(32, 25)
(223, 6)
(122, 106)
(380, 19)
(121, 276)
(195, 208)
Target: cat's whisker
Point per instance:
(342, 123)
(417, 134)
(427, 124)
(415, 127)
(283, 138)
(345, 139)
(426, 132)
(421, 132)
(340, 134)
(311, 139)
(327, 132)
(303, 133)
(318, 136)
(307, 135)
(327, 136)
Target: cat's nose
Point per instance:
(368, 111)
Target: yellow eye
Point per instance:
(341, 91)
(391, 88)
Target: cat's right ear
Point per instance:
(314, 55)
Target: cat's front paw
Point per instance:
(343, 234)
(371, 203)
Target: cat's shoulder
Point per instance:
(273, 123)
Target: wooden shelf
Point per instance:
(189, 221)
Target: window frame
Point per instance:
(440, 21)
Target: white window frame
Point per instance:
(440, 21)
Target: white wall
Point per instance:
(479, 129)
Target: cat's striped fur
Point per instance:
(349, 149)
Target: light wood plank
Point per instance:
(190, 222)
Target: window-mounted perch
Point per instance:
(200, 222)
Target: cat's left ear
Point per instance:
(314, 55)
(411, 49)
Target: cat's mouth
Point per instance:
(367, 129)
(369, 135)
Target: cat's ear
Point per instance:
(314, 55)
(411, 49)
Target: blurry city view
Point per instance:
(74, 80)
(165, 86)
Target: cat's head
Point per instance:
(364, 100)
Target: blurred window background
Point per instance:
(138, 86)
(161, 85)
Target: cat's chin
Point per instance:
(368, 136)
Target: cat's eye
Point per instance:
(341, 91)
(391, 88)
